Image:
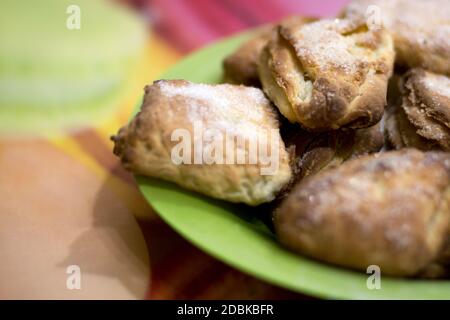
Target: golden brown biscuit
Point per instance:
(420, 29)
(328, 74)
(241, 66)
(212, 117)
(391, 209)
(421, 119)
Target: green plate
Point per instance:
(235, 234)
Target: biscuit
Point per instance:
(390, 209)
(328, 74)
(400, 133)
(420, 29)
(226, 114)
(421, 118)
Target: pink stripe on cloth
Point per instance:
(180, 24)
(217, 16)
(256, 11)
(316, 8)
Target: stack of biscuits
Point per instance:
(359, 113)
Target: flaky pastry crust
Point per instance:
(313, 152)
(421, 118)
(145, 145)
(390, 209)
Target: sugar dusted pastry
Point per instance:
(240, 67)
(328, 74)
(219, 140)
(420, 29)
(390, 209)
(421, 118)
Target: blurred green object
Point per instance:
(236, 235)
(54, 77)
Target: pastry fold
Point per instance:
(241, 67)
(421, 117)
(312, 152)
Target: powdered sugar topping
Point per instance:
(320, 43)
(235, 109)
(439, 84)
